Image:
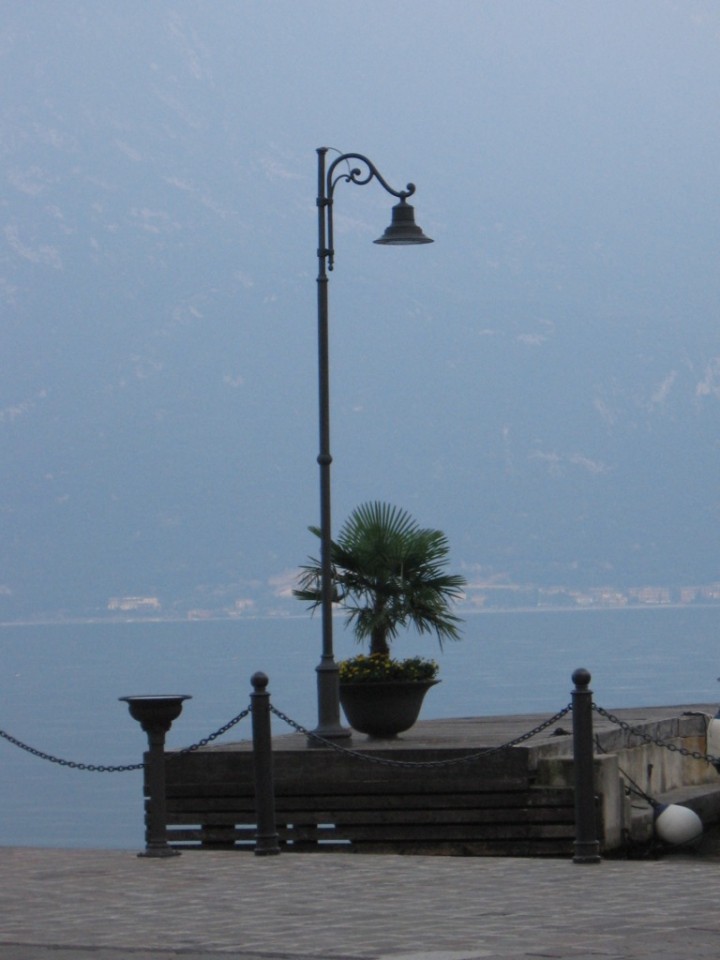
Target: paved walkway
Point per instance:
(112, 905)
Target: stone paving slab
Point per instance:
(107, 905)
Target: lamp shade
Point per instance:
(403, 229)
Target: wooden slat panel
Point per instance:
(208, 805)
(470, 817)
(387, 818)
(480, 848)
(432, 832)
(350, 787)
(507, 767)
(362, 801)
(328, 802)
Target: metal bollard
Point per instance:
(267, 841)
(155, 715)
(587, 846)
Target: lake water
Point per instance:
(59, 689)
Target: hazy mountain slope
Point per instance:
(542, 382)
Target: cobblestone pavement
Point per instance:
(107, 905)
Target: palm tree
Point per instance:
(388, 573)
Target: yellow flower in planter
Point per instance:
(377, 668)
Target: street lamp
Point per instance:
(402, 231)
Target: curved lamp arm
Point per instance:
(359, 175)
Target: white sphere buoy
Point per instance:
(677, 825)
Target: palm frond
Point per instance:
(388, 573)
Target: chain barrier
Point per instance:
(71, 764)
(213, 736)
(386, 761)
(369, 758)
(657, 741)
(101, 768)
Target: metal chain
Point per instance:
(369, 758)
(659, 742)
(213, 736)
(94, 768)
(384, 761)
(100, 768)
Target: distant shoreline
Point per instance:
(490, 611)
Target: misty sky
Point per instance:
(542, 382)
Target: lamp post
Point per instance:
(402, 231)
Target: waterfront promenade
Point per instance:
(112, 905)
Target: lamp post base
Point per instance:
(328, 685)
(587, 851)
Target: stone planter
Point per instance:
(383, 709)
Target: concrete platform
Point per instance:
(480, 732)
